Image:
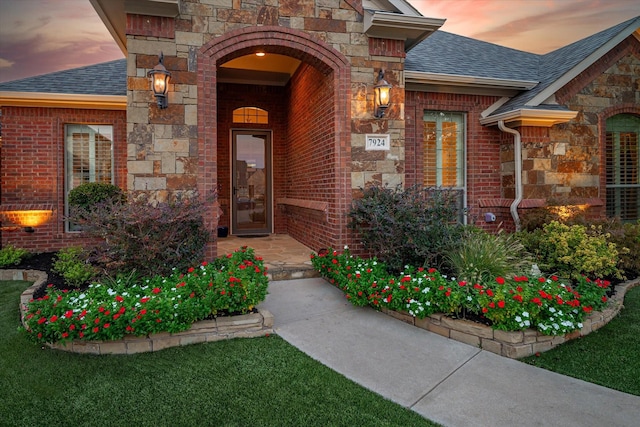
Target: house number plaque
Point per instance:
(378, 142)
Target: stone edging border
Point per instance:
(516, 344)
(242, 326)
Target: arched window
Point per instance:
(250, 115)
(622, 164)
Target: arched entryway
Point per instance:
(306, 137)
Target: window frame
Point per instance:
(461, 169)
(92, 129)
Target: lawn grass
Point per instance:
(609, 356)
(242, 382)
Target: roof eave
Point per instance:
(530, 117)
(113, 14)
(63, 100)
(420, 77)
(395, 26)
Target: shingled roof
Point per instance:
(451, 54)
(107, 78)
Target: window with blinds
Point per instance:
(444, 151)
(621, 167)
(250, 115)
(88, 156)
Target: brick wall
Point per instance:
(484, 150)
(33, 167)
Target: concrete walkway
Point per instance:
(446, 381)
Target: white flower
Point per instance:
(82, 296)
(469, 298)
(346, 247)
(555, 325)
(527, 323)
(580, 325)
(525, 314)
(518, 319)
(551, 309)
(426, 290)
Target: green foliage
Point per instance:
(573, 251)
(147, 236)
(10, 255)
(481, 256)
(72, 264)
(411, 226)
(157, 304)
(90, 194)
(626, 237)
(510, 303)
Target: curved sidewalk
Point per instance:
(446, 381)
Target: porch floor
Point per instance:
(285, 257)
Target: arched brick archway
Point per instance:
(627, 108)
(315, 53)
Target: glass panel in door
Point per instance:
(251, 201)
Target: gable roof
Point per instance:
(476, 62)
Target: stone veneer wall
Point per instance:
(172, 149)
(566, 162)
(243, 326)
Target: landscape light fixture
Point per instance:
(160, 82)
(382, 95)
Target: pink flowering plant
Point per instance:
(232, 284)
(507, 303)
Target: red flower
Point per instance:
(53, 318)
(485, 309)
(42, 320)
(69, 314)
(223, 292)
(190, 270)
(96, 321)
(604, 299)
(518, 298)
(143, 312)
(72, 327)
(119, 298)
(477, 286)
(448, 293)
(84, 313)
(388, 299)
(158, 320)
(122, 310)
(95, 330)
(81, 334)
(537, 300)
(501, 304)
(462, 283)
(519, 289)
(587, 309)
(492, 305)
(205, 263)
(115, 316)
(143, 300)
(500, 280)
(242, 266)
(554, 278)
(106, 325)
(432, 270)
(489, 292)
(129, 328)
(335, 261)
(65, 335)
(541, 279)
(156, 290)
(101, 309)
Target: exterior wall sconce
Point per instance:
(160, 82)
(26, 219)
(382, 95)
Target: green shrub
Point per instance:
(90, 194)
(10, 255)
(147, 236)
(626, 236)
(573, 251)
(72, 264)
(412, 226)
(481, 256)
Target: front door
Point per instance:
(251, 182)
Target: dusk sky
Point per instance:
(42, 36)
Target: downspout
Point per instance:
(517, 157)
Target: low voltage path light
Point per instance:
(382, 95)
(160, 82)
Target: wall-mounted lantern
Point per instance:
(160, 82)
(382, 95)
(27, 219)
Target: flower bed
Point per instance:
(158, 309)
(527, 315)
